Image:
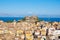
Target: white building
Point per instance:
(56, 33)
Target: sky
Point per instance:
(45, 8)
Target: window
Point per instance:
(59, 37)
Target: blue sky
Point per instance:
(30, 7)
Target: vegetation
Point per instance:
(9, 21)
(39, 19)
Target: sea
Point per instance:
(5, 19)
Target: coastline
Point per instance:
(5, 19)
(29, 28)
